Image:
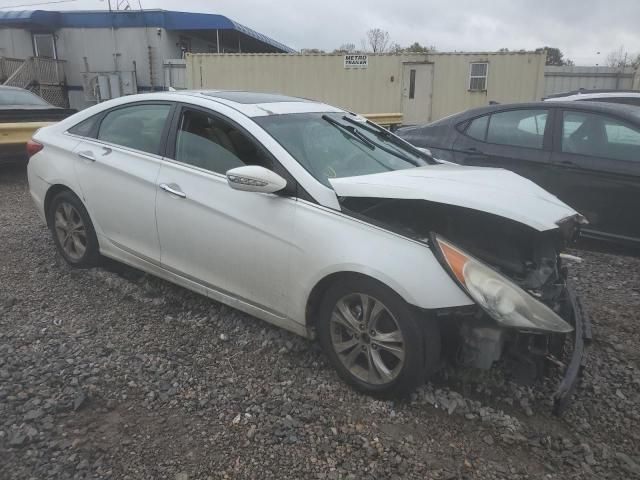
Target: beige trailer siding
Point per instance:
(378, 88)
(512, 77)
(375, 89)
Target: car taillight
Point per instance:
(33, 147)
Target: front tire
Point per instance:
(373, 338)
(72, 231)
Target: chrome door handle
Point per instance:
(173, 189)
(87, 155)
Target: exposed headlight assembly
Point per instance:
(502, 299)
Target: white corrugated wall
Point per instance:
(570, 78)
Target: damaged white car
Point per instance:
(318, 221)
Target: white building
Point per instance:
(93, 55)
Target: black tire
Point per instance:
(90, 256)
(420, 338)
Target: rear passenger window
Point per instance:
(518, 128)
(478, 128)
(86, 128)
(138, 126)
(208, 142)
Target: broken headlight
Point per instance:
(502, 299)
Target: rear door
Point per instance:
(117, 171)
(518, 140)
(596, 161)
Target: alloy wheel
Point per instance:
(70, 230)
(367, 339)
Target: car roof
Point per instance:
(260, 104)
(629, 112)
(594, 93)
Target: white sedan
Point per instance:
(318, 221)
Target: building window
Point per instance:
(44, 45)
(412, 83)
(478, 76)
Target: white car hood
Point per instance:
(491, 190)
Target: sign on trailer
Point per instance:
(356, 61)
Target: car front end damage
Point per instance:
(525, 313)
(532, 341)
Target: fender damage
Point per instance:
(514, 227)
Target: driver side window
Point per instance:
(208, 142)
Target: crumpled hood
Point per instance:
(491, 190)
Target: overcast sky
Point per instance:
(580, 28)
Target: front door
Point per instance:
(597, 171)
(417, 89)
(117, 172)
(236, 243)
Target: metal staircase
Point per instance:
(43, 76)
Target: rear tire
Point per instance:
(72, 231)
(374, 339)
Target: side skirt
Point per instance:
(108, 249)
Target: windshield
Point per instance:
(334, 145)
(20, 97)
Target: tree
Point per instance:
(396, 48)
(621, 58)
(415, 47)
(376, 41)
(346, 48)
(311, 50)
(554, 56)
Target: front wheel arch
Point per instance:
(319, 290)
(423, 339)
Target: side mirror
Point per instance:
(425, 150)
(253, 178)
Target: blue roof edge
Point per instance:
(170, 20)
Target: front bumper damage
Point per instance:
(582, 337)
(529, 355)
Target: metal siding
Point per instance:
(512, 77)
(15, 43)
(318, 77)
(567, 79)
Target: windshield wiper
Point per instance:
(351, 130)
(381, 132)
(390, 151)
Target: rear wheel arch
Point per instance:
(71, 228)
(51, 194)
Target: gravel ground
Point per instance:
(108, 373)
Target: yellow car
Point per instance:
(21, 114)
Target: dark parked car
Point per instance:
(586, 153)
(21, 114)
